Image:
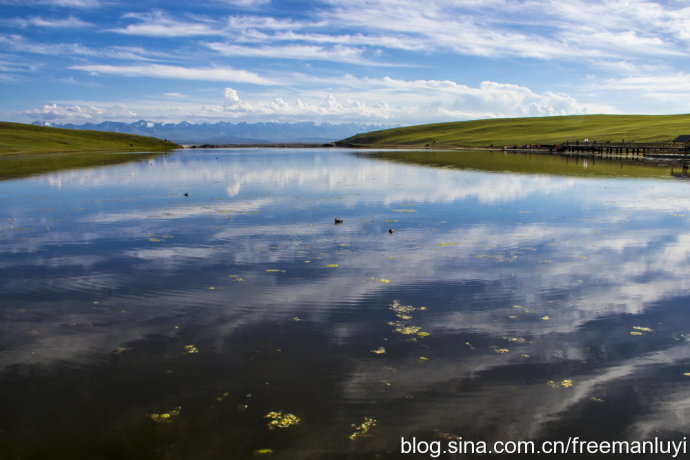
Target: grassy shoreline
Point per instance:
(21, 166)
(28, 150)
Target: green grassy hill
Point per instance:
(17, 139)
(536, 130)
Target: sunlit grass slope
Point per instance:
(17, 139)
(535, 130)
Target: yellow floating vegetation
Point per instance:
(222, 397)
(447, 244)
(636, 333)
(401, 309)
(545, 317)
(408, 330)
(363, 428)
(565, 383)
(378, 351)
(423, 358)
(501, 350)
(166, 417)
(280, 419)
(263, 452)
(274, 270)
(190, 349)
(404, 315)
(384, 281)
(687, 374)
(643, 329)
(331, 265)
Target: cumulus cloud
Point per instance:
(231, 96)
(411, 101)
(350, 100)
(77, 113)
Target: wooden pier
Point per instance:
(679, 150)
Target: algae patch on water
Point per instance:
(190, 349)
(280, 419)
(402, 325)
(565, 383)
(363, 428)
(166, 417)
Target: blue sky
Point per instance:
(387, 61)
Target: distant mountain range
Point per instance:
(231, 133)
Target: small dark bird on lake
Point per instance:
(338, 221)
(186, 194)
(391, 231)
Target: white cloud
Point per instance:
(247, 22)
(77, 113)
(351, 99)
(19, 43)
(231, 96)
(159, 24)
(544, 30)
(72, 3)
(673, 83)
(70, 22)
(337, 53)
(177, 73)
(413, 101)
(248, 4)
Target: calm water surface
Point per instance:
(137, 322)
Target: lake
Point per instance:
(205, 305)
